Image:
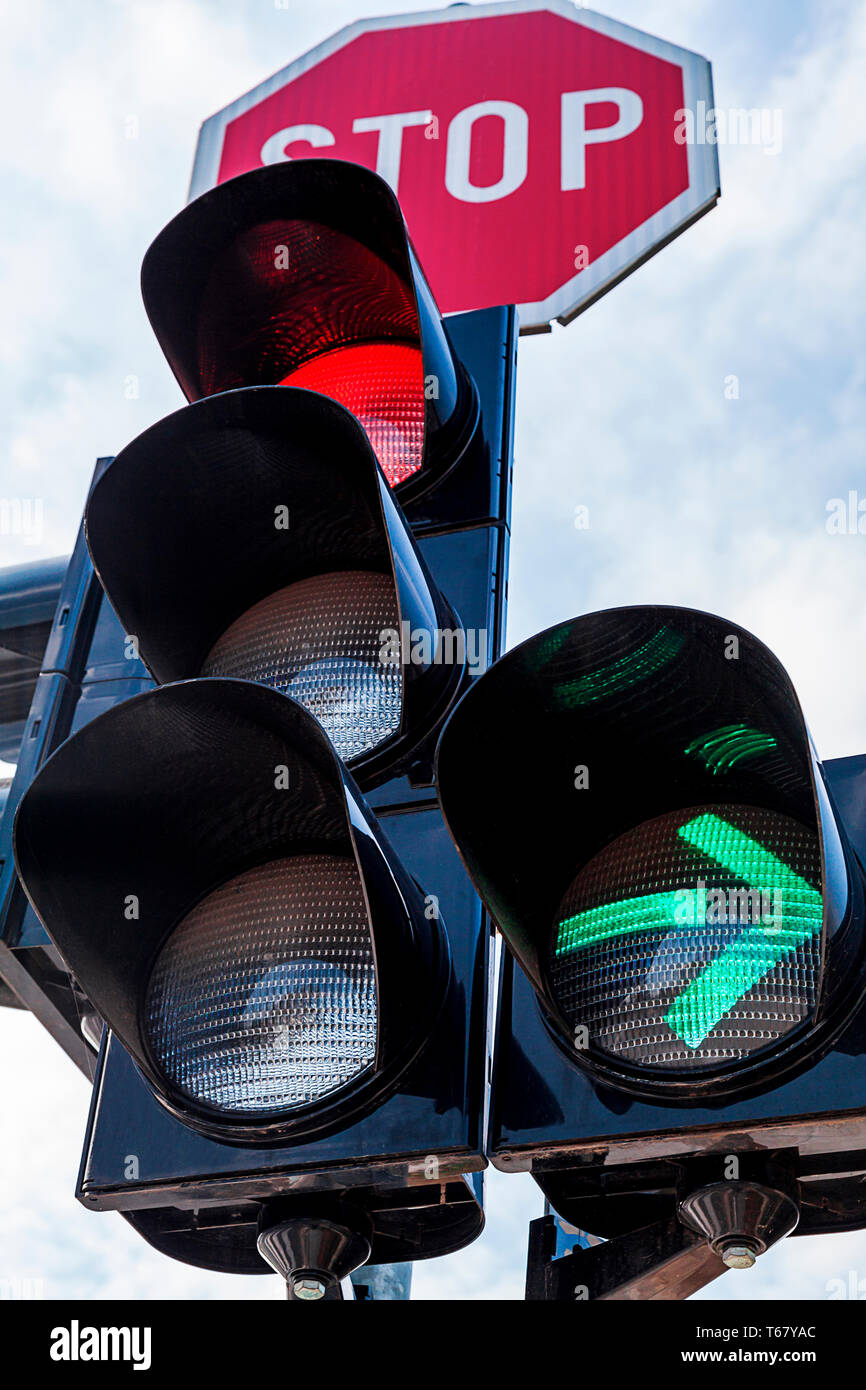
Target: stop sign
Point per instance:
(539, 151)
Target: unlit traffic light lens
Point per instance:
(693, 940)
(320, 640)
(264, 998)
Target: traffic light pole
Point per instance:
(716, 1226)
(661, 1261)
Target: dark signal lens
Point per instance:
(264, 996)
(320, 641)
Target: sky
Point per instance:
(699, 492)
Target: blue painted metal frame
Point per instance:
(28, 603)
(64, 693)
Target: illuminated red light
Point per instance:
(294, 302)
(382, 384)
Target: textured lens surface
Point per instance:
(320, 641)
(382, 384)
(264, 996)
(297, 303)
(693, 940)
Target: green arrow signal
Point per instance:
(797, 916)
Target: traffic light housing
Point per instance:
(308, 278)
(245, 496)
(282, 558)
(682, 899)
(238, 921)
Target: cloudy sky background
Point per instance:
(693, 498)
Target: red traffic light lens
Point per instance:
(296, 303)
(302, 273)
(382, 384)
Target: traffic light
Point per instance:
(678, 880)
(310, 280)
(232, 910)
(233, 839)
(282, 558)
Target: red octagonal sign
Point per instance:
(539, 151)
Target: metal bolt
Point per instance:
(303, 1286)
(739, 1256)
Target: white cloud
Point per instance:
(802, 1267)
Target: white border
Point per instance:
(589, 284)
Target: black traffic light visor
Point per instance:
(232, 499)
(603, 723)
(145, 811)
(291, 264)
